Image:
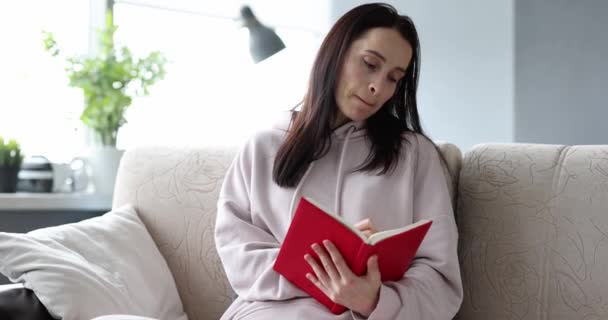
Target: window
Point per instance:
(213, 93)
(38, 108)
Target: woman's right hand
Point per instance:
(366, 226)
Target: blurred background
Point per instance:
(492, 71)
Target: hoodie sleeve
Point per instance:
(431, 288)
(247, 249)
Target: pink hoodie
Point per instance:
(254, 214)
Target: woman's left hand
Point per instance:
(366, 226)
(340, 284)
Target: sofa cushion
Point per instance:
(533, 228)
(107, 264)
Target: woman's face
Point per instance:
(372, 66)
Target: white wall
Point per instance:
(561, 71)
(467, 76)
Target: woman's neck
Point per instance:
(340, 120)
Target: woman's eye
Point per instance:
(393, 80)
(369, 65)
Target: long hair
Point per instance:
(309, 135)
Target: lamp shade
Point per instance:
(263, 41)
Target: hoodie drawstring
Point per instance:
(339, 179)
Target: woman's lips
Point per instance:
(365, 102)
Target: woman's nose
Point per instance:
(372, 88)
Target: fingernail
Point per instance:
(326, 242)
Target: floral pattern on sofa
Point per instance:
(533, 222)
(175, 191)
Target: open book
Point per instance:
(395, 248)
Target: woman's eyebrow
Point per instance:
(381, 57)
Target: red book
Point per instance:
(395, 248)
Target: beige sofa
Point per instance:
(533, 223)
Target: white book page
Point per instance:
(374, 238)
(379, 236)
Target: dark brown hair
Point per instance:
(309, 136)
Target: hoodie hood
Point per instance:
(345, 133)
(284, 120)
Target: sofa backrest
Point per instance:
(533, 223)
(175, 192)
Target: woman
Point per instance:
(356, 144)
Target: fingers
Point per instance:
(321, 276)
(332, 276)
(364, 224)
(327, 262)
(373, 271)
(367, 226)
(319, 284)
(316, 282)
(339, 262)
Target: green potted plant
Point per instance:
(11, 159)
(109, 80)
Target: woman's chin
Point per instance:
(358, 115)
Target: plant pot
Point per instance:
(104, 162)
(8, 179)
